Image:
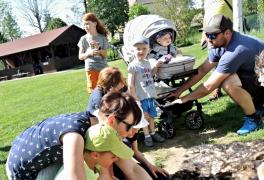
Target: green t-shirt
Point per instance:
(90, 174)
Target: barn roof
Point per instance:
(32, 42)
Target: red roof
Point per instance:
(31, 42)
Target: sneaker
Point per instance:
(249, 126)
(148, 142)
(157, 138)
(260, 112)
(260, 125)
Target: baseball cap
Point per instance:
(140, 40)
(218, 23)
(143, 122)
(96, 113)
(101, 137)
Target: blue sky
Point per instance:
(61, 9)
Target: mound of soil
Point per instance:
(236, 160)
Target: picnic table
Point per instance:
(20, 75)
(3, 78)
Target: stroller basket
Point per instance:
(175, 66)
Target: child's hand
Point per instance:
(168, 57)
(95, 45)
(159, 63)
(92, 52)
(89, 52)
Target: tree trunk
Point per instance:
(85, 6)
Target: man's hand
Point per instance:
(174, 94)
(178, 101)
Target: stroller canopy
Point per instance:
(146, 25)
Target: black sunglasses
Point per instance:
(128, 126)
(213, 35)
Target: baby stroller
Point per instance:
(170, 76)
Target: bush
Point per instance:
(137, 10)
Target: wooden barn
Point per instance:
(49, 51)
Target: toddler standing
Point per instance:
(141, 86)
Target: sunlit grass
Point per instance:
(25, 102)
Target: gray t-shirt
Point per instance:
(239, 56)
(144, 83)
(96, 62)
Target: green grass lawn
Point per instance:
(25, 102)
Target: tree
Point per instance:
(55, 23)
(181, 12)
(10, 27)
(8, 24)
(77, 10)
(250, 7)
(137, 10)
(260, 5)
(113, 13)
(4, 9)
(85, 6)
(37, 13)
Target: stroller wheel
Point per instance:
(166, 129)
(194, 120)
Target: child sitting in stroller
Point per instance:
(163, 48)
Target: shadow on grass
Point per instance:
(5, 148)
(217, 125)
(210, 101)
(3, 161)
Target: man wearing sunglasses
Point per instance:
(233, 54)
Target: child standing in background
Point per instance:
(141, 87)
(93, 49)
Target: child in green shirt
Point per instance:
(102, 148)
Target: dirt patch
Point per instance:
(170, 154)
(236, 159)
(174, 159)
(171, 158)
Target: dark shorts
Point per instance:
(252, 86)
